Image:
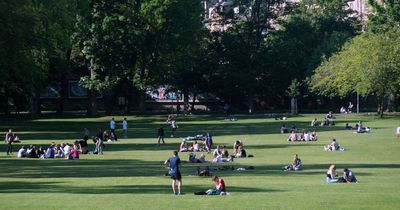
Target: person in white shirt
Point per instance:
(398, 131)
(21, 152)
(125, 127)
(67, 150)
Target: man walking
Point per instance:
(173, 163)
(160, 133)
(125, 127)
(9, 141)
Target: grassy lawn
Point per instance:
(130, 174)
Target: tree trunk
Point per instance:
(250, 102)
(35, 103)
(381, 100)
(185, 101)
(193, 101)
(293, 106)
(63, 95)
(92, 104)
(391, 105)
(142, 101)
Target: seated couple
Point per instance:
(193, 159)
(219, 188)
(333, 146)
(221, 155)
(332, 176)
(295, 165)
(305, 136)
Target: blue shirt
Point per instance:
(174, 163)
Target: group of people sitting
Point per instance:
(304, 136)
(327, 121)
(219, 155)
(332, 176)
(295, 165)
(66, 151)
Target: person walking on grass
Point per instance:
(160, 133)
(125, 127)
(9, 139)
(173, 164)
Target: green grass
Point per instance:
(130, 174)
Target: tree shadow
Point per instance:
(54, 187)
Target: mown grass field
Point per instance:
(130, 174)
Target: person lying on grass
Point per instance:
(295, 165)
(219, 189)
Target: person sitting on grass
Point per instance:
(306, 136)
(314, 122)
(219, 189)
(295, 165)
(293, 136)
(348, 176)
(284, 129)
(236, 146)
(398, 131)
(348, 127)
(196, 146)
(313, 136)
(331, 175)
(242, 153)
(333, 146)
(182, 147)
(193, 159)
(21, 152)
(293, 128)
(225, 153)
(50, 151)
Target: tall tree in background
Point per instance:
(366, 66)
(107, 34)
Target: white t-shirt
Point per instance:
(67, 149)
(173, 124)
(21, 153)
(124, 125)
(398, 130)
(307, 137)
(112, 124)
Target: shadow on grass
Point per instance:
(54, 187)
(57, 129)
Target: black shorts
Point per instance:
(176, 176)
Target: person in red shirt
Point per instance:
(219, 189)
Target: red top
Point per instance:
(219, 183)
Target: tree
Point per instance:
(366, 65)
(106, 33)
(293, 92)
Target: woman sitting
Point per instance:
(293, 136)
(331, 175)
(182, 147)
(333, 146)
(236, 146)
(196, 147)
(314, 122)
(241, 153)
(295, 164)
(313, 136)
(284, 129)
